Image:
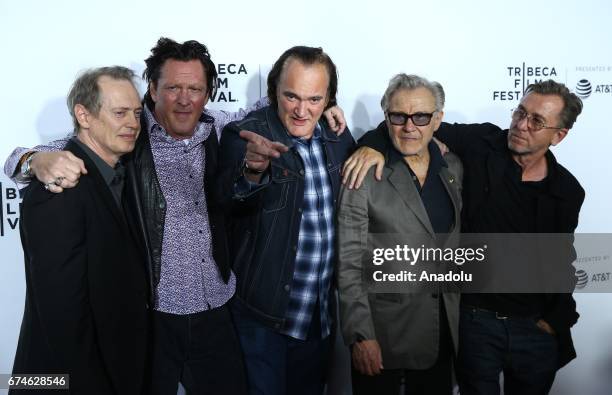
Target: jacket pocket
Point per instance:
(275, 197)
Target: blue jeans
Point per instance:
(278, 364)
(489, 345)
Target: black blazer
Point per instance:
(85, 311)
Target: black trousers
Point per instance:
(199, 350)
(436, 380)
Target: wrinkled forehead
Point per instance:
(298, 71)
(118, 92)
(178, 70)
(417, 99)
(546, 106)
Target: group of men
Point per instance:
(157, 255)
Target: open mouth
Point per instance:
(299, 122)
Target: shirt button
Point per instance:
(294, 248)
(196, 203)
(190, 176)
(299, 210)
(162, 205)
(287, 287)
(199, 231)
(301, 172)
(185, 150)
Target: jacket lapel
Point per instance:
(401, 180)
(102, 190)
(448, 179)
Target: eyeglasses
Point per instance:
(418, 118)
(534, 122)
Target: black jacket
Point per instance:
(86, 300)
(265, 223)
(483, 150)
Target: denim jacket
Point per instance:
(264, 221)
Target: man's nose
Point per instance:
(133, 120)
(183, 97)
(409, 126)
(300, 109)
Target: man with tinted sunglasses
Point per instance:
(395, 336)
(513, 185)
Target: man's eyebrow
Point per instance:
(534, 114)
(120, 108)
(290, 93)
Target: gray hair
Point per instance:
(572, 105)
(86, 91)
(411, 82)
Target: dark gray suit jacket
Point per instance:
(406, 325)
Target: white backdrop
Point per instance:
(481, 51)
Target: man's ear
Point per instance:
(82, 115)
(558, 136)
(153, 91)
(438, 119)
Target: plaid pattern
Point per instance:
(313, 262)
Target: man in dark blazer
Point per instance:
(402, 335)
(513, 184)
(86, 299)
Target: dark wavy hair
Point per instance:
(169, 49)
(307, 56)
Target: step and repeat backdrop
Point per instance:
(483, 53)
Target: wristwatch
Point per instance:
(26, 167)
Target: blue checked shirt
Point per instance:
(313, 262)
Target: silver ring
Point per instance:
(47, 186)
(58, 181)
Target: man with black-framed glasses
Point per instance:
(395, 337)
(513, 184)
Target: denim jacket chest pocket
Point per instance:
(276, 194)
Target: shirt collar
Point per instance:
(316, 135)
(107, 172)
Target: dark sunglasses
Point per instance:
(418, 118)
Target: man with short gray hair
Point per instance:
(86, 312)
(395, 336)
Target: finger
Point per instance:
(73, 170)
(379, 170)
(355, 175)
(361, 175)
(51, 187)
(346, 169)
(331, 120)
(252, 137)
(273, 150)
(280, 147)
(69, 184)
(341, 126)
(76, 164)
